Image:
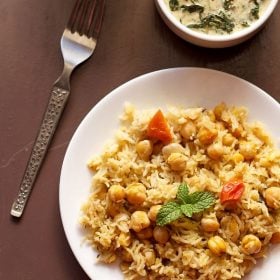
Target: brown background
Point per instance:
(134, 40)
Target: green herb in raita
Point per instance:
(220, 21)
(174, 5)
(217, 16)
(245, 24)
(228, 5)
(256, 10)
(186, 204)
(192, 8)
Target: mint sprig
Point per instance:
(186, 204)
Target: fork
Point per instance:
(77, 45)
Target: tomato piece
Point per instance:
(158, 128)
(232, 192)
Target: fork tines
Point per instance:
(86, 17)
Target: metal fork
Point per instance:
(77, 45)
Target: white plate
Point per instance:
(178, 86)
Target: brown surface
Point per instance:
(134, 40)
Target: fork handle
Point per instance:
(51, 118)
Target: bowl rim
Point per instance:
(218, 38)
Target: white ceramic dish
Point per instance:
(178, 86)
(212, 41)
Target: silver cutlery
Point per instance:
(77, 45)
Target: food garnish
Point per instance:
(255, 11)
(232, 191)
(158, 128)
(228, 5)
(217, 21)
(186, 205)
(174, 5)
(192, 8)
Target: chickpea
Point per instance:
(188, 130)
(217, 245)
(172, 148)
(275, 239)
(251, 244)
(237, 132)
(161, 234)
(209, 224)
(206, 136)
(136, 193)
(218, 110)
(139, 220)
(215, 151)
(237, 157)
(145, 233)
(116, 193)
(211, 115)
(124, 239)
(144, 149)
(152, 214)
(150, 257)
(254, 195)
(247, 149)
(272, 197)
(177, 161)
(228, 139)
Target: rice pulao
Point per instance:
(191, 193)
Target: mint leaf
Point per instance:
(187, 210)
(168, 213)
(183, 193)
(187, 204)
(201, 201)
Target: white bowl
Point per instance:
(212, 41)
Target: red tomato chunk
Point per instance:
(232, 191)
(158, 128)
